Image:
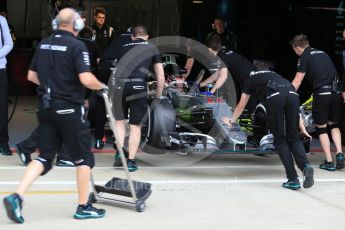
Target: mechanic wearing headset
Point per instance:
(228, 38)
(29, 145)
(282, 104)
(137, 56)
(228, 42)
(61, 68)
(322, 75)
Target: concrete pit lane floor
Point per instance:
(189, 192)
(223, 192)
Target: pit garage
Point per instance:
(202, 173)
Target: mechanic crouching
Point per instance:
(130, 93)
(61, 68)
(282, 104)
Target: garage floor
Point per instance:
(189, 192)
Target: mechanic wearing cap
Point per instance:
(61, 68)
(110, 54)
(238, 66)
(321, 73)
(282, 105)
(137, 57)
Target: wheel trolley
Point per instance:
(138, 191)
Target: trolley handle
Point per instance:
(111, 118)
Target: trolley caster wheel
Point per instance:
(92, 198)
(140, 206)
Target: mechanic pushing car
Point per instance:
(237, 64)
(282, 104)
(322, 75)
(130, 92)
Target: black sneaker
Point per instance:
(118, 162)
(99, 144)
(14, 204)
(308, 176)
(329, 166)
(292, 184)
(24, 156)
(88, 211)
(64, 163)
(132, 165)
(5, 150)
(340, 161)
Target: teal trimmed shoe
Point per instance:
(292, 184)
(132, 165)
(340, 161)
(99, 144)
(5, 151)
(88, 212)
(118, 162)
(13, 205)
(329, 166)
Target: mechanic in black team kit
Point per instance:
(130, 89)
(103, 32)
(322, 75)
(282, 104)
(61, 68)
(228, 38)
(110, 54)
(238, 66)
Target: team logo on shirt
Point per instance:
(53, 47)
(136, 43)
(253, 73)
(86, 58)
(316, 52)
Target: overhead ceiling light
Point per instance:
(198, 2)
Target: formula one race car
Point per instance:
(186, 121)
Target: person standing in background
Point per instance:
(12, 31)
(6, 45)
(103, 35)
(343, 83)
(102, 32)
(228, 38)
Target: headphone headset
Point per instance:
(78, 23)
(225, 23)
